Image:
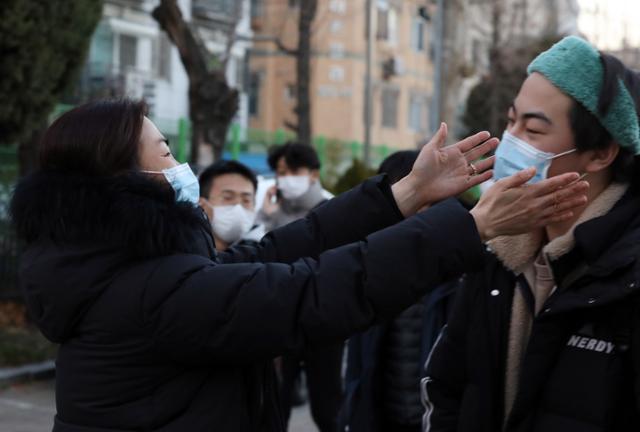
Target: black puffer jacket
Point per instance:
(581, 368)
(159, 334)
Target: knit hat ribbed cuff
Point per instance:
(574, 66)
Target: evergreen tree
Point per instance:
(43, 44)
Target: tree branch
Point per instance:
(291, 125)
(288, 51)
(170, 19)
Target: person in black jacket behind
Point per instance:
(159, 332)
(546, 338)
(385, 363)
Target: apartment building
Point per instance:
(402, 69)
(131, 56)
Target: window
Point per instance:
(418, 112)
(382, 31)
(336, 50)
(336, 73)
(336, 26)
(387, 21)
(338, 6)
(417, 34)
(163, 57)
(255, 83)
(128, 52)
(226, 8)
(390, 97)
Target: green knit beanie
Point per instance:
(573, 65)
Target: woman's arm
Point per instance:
(201, 312)
(438, 173)
(349, 217)
(509, 207)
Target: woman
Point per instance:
(545, 337)
(157, 332)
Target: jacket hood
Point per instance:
(80, 232)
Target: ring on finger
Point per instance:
(474, 170)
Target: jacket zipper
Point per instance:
(426, 419)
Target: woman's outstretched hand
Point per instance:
(442, 172)
(513, 207)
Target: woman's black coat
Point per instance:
(157, 332)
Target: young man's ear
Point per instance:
(602, 159)
(315, 175)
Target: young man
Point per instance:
(228, 196)
(547, 336)
(297, 192)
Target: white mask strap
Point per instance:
(563, 154)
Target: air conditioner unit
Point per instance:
(393, 66)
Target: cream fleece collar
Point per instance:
(517, 252)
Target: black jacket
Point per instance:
(158, 333)
(580, 368)
(363, 407)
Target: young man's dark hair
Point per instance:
(221, 168)
(296, 156)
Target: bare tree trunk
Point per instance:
(212, 103)
(302, 54)
(308, 10)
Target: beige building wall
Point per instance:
(338, 70)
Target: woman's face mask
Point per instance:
(231, 222)
(293, 186)
(514, 155)
(183, 181)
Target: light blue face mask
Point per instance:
(514, 155)
(183, 181)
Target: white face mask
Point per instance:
(293, 187)
(514, 155)
(232, 222)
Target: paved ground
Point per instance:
(30, 408)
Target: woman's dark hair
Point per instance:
(398, 165)
(97, 138)
(296, 156)
(588, 132)
(223, 167)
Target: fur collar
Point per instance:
(517, 252)
(129, 212)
